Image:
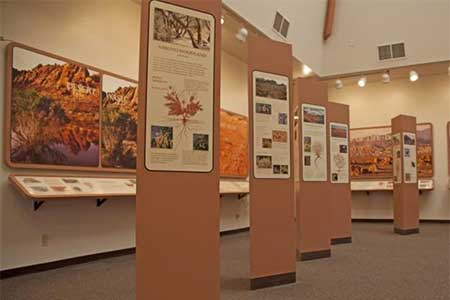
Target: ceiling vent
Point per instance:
(391, 51)
(281, 25)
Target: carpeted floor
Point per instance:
(378, 265)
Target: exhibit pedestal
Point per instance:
(313, 193)
(406, 191)
(177, 209)
(340, 188)
(272, 224)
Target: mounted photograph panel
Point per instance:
(54, 112)
(271, 134)
(371, 152)
(180, 94)
(234, 160)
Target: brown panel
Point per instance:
(272, 225)
(177, 214)
(312, 198)
(406, 195)
(341, 194)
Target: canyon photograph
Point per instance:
(54, 111)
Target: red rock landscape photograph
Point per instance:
(119, 123)
(54, 111)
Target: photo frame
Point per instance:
(53, 112)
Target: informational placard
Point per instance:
(397, 160)
(314, 131)
(339, 156)
(271, 136)
(409, 157)
(42, 186)
(180, 93)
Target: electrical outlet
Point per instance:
(44, 240)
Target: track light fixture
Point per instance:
(362, 81)
(339, 84)
(413, 76)
(242, 34)
(222, 20)
(386, 77)
(306, 70)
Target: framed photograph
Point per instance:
(54, 113)
(425, 168)
(234, 160)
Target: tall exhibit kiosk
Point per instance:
(313, 195)
(406, 191)
(272, 224)
(177, 229)
(340, 189)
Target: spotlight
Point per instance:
(386, 77)
(339, 84)
(362, 81)
(222, 20)
(242, 34)
(306, 70)
(413, 76)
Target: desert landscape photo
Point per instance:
(54, 111)
(119, 123)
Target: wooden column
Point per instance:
(312, 197)
(272, 225)
(340, 189)
(406, 191)
(177, 213)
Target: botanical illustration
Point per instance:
(54, 111)
(270, 88)
(339, 161)
(234, 145)
(424, 150)
(371, 153)
(181, 29)
(119, 123)
(317, 150)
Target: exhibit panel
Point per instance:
(313, 202)
(64, 115)
(406, 192)
(272, 224)
(178, 151)
(340, 188)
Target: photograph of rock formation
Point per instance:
(54, 111)
(182, 30)
(119, 123)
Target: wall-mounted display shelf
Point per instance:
(387, 185)
(240, 188)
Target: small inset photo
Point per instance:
(201, 142)
(162, 137)
(343, 149)
(407, 152)
(407, 177)
(307, 161)
(262, 108)
(276, 169)
(284, 169)
(282, 118)
(279, 136)
(264, 161)
(307, 144)
(334, 177)
(267, 143)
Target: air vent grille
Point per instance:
(281, 25)
(391, 51)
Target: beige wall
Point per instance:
(429, 100)
(105, 34)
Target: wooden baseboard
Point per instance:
(406, 231)
(359, 220)
(344, 240)
(271, 281)
(314, 255)
(64, 263)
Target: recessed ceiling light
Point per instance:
(306, 70)
(339, 84)
(413, 76)
(362, 81)
(242, 34)
(386, 77)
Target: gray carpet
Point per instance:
(378, 265)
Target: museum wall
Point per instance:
(104, 34)
(354, 48)
(429, 100)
